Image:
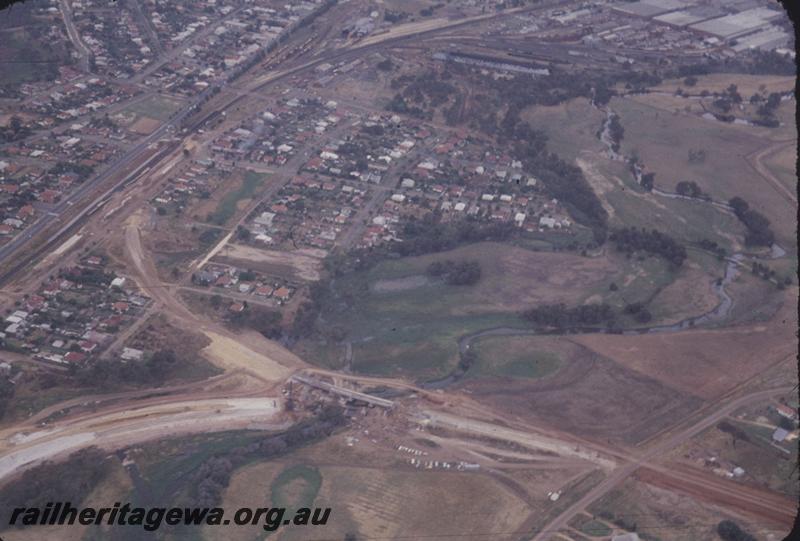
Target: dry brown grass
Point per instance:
(305, 264)
(719, 82)
(145, 126)
(705, 363)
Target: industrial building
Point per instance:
(685, 17)
(739, 24)
(768, 39)
(650, 8)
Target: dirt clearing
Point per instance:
(229, 354)
(304, 264)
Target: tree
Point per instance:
(159, 364)
(697, 155)
(15, 124)
(723, 104)
(456, 273)
(739, 205)
(648, 181)
(688, 188)
(728, 530)
(6, 394)
(631, 240)
(759, 231)
(616, 132)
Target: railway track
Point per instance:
(758, 503)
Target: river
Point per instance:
(715, 315)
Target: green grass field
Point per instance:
(227, 206)
(512, 356)
(156, 107)
(595, 528)
(401, 322)
(686, 221)
(411, 327)
(295, 487)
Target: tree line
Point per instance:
(690, 188)
(70, 481)
(213, 476)
(458, 273)
(560, 179)
(759, 231)
(559, 316)
(632, 239)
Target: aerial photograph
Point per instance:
(414, 270)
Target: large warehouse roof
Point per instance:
(731, 26)
(648, 8)
(768, 39)
(685, 17)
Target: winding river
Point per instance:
(715, 315)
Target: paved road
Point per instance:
(74, 36)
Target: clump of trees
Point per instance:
(70, 481)
(559, 316)
(214, 474)
(616, 132)
(385, 65)
(428, 236)
(14, 130)
(639, 312)
(767, 110)
(6, 394)
(305, 319)
(728, 530)
(697, 155)
(759, 231)
(648, 181)
(691, 189)
(631, 240)
(267, 322)
(87, 276)
(560, 179)
(457, 273)
(713, 246)
(394, 16)
(400, 105)
(154, 370)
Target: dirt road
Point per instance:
(24, 450)
(756, 161)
